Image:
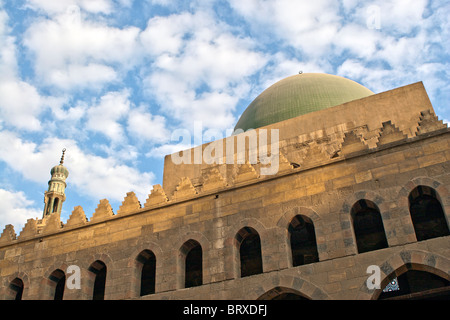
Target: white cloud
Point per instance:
(77, 49)
(283, 66)
(16, 209)
(358, 41)
(308, 26)
(25, 157)
(20, 102)
(20, 105)
(202, 71)
(161, 37)
(55, 7)
(370, 77)
(144, 126)
(79, 76)
(71, 115)
(402, 16)
(104, 117)
(167, 149)
(90, 175)
(98, 177)
(8, 63)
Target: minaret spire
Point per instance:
(62, 157)
(55, 195)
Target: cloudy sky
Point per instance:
(110, 80)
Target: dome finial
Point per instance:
(62, 157)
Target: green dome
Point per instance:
(298, 95)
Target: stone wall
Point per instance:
(324, 192)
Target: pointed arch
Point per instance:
(282, 293)
(99, 270)
(305, 224)
(137, 259)
(57, 284)
(302, 240)
(440, 193)
(191, 255)
(147, 266)
(427, 213)
(233, 241)
(250, 257)
(16, 289)
(15, 286)
(368, 226)
(402, 262)
(287, 286)
(53, 282)
(418, 284)
(372, 208)
(193, 265)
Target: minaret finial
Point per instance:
(62, 157)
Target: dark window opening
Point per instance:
(249, 252)
(59, 280)
(368, 227)
(99, 269)
(427, 214)
(148, 272)
(17, 288)
(55, 205)
(193, 264)
(303, 241)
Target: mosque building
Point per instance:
(355, 206)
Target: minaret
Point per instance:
(55, 196)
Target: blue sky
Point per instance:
(110, 80)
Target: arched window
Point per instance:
(302, 238)
(427, 214)
(147, 261)
(98, 268)
(57, 283)
(368, 226)
(249, 244)
(55, 205)
(16, 287)
(415, 284)
(192, 257)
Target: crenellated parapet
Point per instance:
(30, 230)
(245, 172)
(389, 133)
(429, 122)
(8, 235)
(297, 154)
(77, 218)
(185, 189)
(130, 204)
(104, 211)
(157, 197)
(213, 180)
